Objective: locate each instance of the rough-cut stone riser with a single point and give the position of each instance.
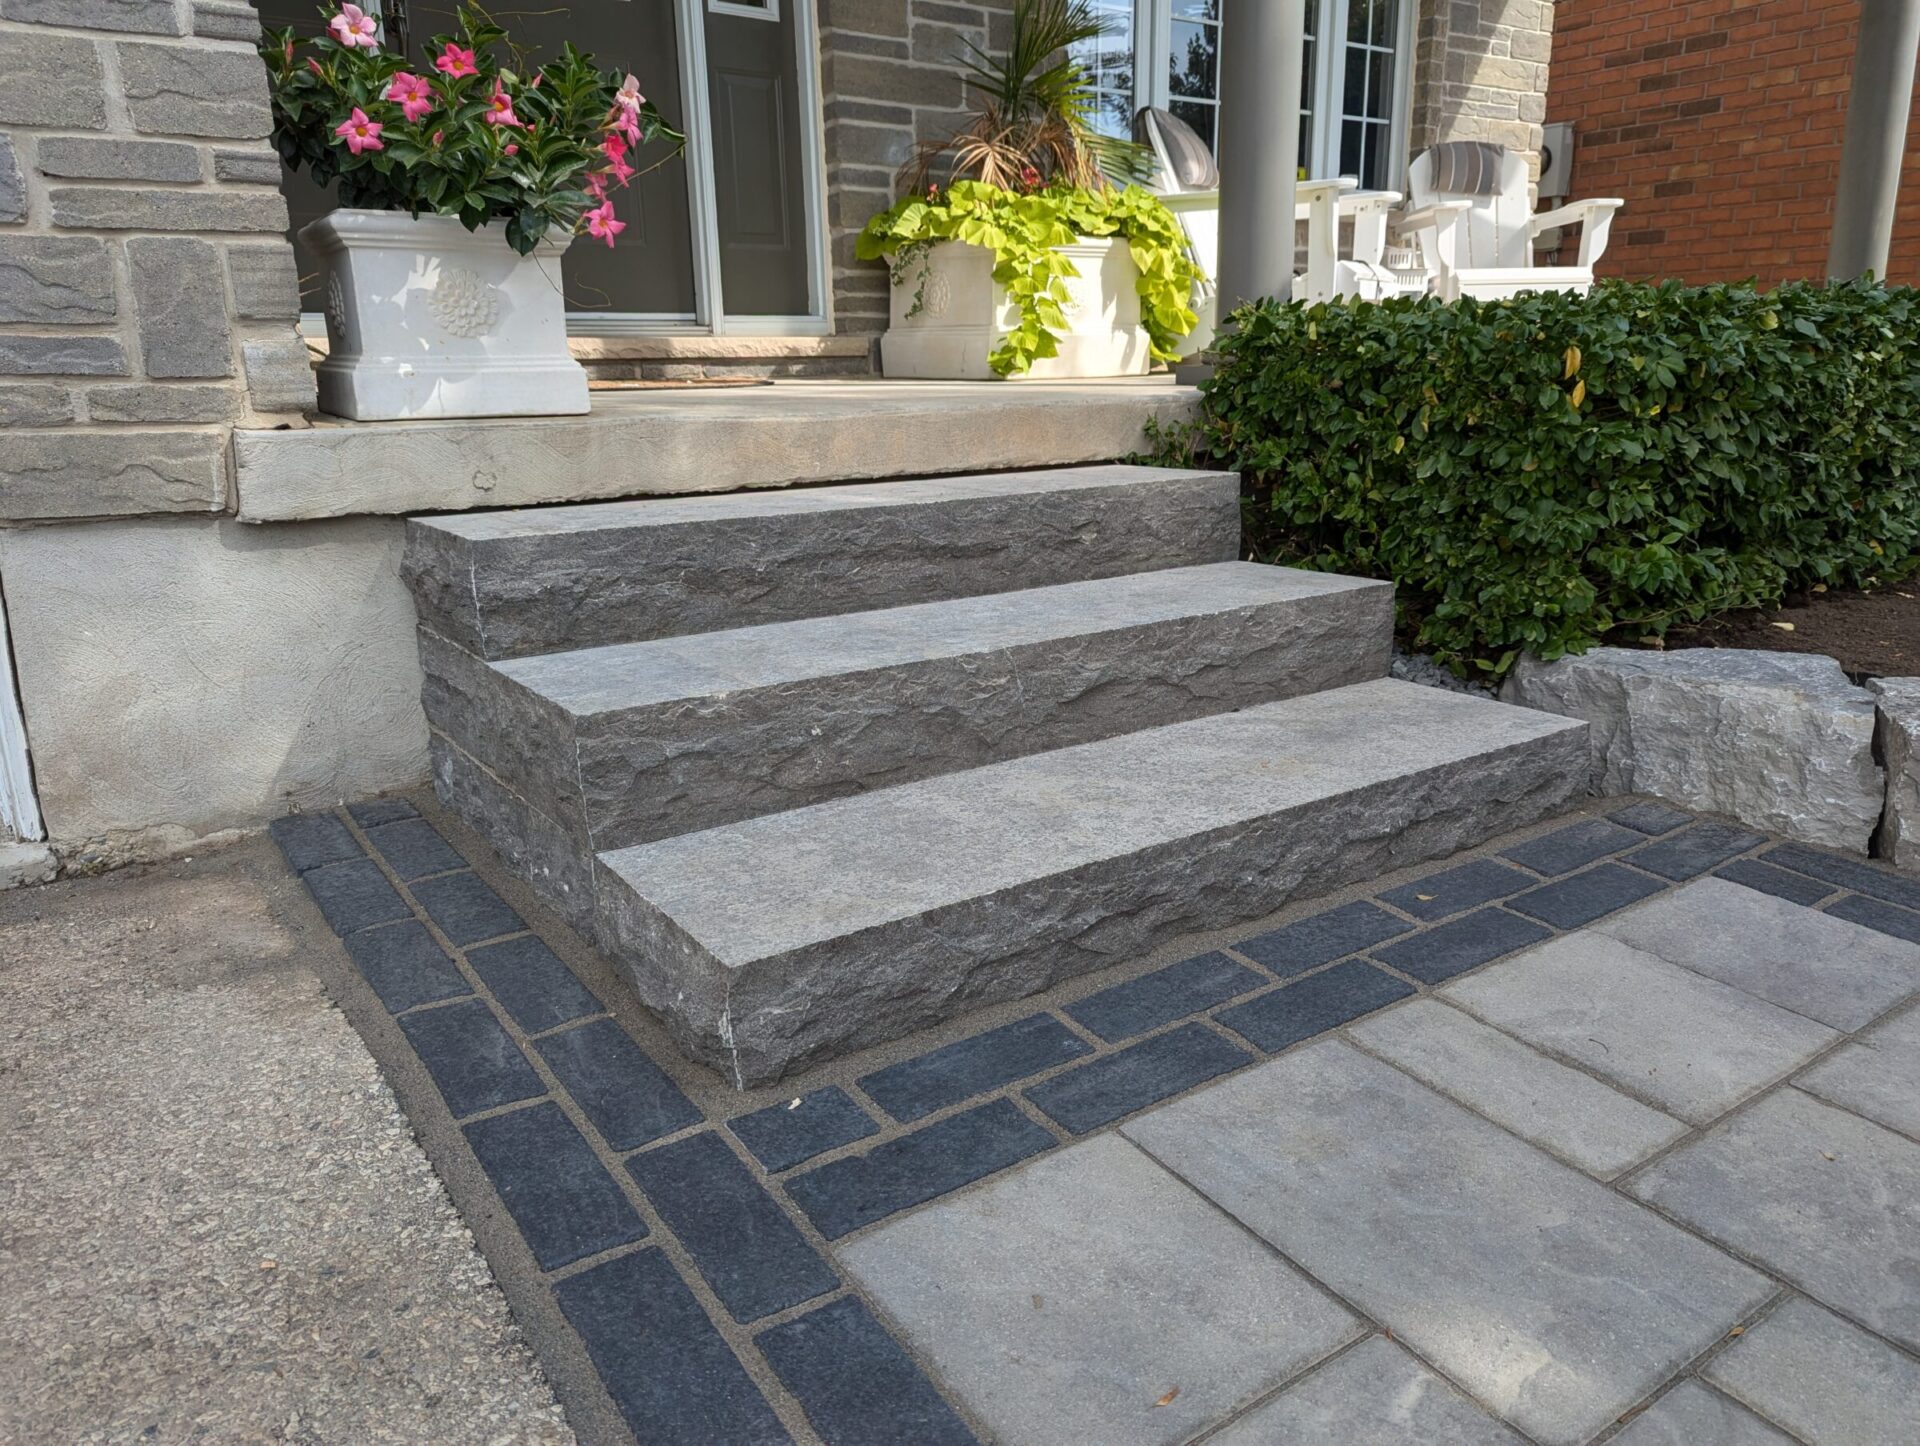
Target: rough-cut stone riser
(532, 845)
(512, 597)
(768, 1018)
(672, 768)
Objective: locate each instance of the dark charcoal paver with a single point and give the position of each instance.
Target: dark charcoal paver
(793, 1132)
(915, 1088)
(1795, 888)
(742, 1241)
(1651, 818)
(1569, 848)
(466, 910)
(354, 895)
(666, 1367)
(1878, 914)
(537, 989)
(1321, 938)
(1689, 855)
(1862, 878)
(856, 1385)
(844, 1195)
(1164, 996)
(1117, 1084)
(1451, 890)
(629, 1098)
(414, 849)
(404, 966)
(311, 839)
(376, 811)
(566, 1204)
(1569, 903)
(471, 1058)
(1314, 1005)
(1453, 948)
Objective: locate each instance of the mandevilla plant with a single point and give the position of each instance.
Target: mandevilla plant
(471, 137)
(1021, 229)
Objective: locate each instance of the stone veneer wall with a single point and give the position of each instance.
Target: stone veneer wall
(1480, 73)
(889, 74)
(146, 295)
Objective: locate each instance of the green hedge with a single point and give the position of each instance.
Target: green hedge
(1545, 472)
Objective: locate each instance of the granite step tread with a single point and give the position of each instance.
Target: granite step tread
(794, 935)
(513, 583)
(631, 742)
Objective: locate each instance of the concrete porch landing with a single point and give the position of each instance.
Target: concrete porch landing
(668, 442)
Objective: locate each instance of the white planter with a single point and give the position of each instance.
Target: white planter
(960, 314)
(428, 319)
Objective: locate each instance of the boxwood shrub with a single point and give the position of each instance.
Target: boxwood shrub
(1547, 472)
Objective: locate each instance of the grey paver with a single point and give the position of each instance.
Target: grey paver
(1695, 1415)
(1373, 1395)
(1553, 1300)
(1814, 964)
(1557, 1107)
(1822, 1198)
(1828, 1382)
(1691, 1045)
(1878, 1075)
(1061, 1302)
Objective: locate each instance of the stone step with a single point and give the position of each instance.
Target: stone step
(534, 580)
(634, 742)
(778, 940)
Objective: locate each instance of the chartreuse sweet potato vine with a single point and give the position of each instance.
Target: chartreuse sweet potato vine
(1553, 471)
(1022, 229)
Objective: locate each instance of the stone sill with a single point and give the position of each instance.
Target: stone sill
(657, 443)
(674, 348)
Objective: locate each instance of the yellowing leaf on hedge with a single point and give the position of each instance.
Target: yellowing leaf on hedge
(1530, 464)
(1877, 549)
(1573, 363)
(1399, 444)
(1578, 394)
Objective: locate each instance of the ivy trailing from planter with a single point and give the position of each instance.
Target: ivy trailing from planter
(1023, 230)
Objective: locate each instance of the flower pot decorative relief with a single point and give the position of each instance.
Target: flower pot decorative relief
(428, 319)
(948, 314)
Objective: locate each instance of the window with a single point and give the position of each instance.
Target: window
(1352, 92)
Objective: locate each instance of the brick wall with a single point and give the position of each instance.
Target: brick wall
(1720, 123)
(889, 72)
(1480, 72)
(146, 294)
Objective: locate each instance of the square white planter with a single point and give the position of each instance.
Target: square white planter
(959, 314)
(428, 319)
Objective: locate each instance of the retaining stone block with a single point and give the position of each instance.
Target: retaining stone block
(157, 402)
(259, 167)
(190, 90)
(266, 287)
(13, 190)
(55, 280)
(181, 298)
(87, 474)
(34, 406)
(225, 22)
(1896, 733)
(279, 375)
(88, 158)
(51, 80)
(136, 17)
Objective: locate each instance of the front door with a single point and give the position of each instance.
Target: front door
(725, 238)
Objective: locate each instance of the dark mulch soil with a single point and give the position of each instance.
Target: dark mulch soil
(1873, 634)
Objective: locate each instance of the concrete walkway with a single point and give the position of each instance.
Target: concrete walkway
(215, 1224)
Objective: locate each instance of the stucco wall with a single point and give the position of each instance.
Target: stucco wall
(183, 676)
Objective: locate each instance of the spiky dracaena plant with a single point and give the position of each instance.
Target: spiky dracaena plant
(1034, 106)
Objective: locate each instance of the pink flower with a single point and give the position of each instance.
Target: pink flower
(354, 27)
(628, 97)
(361, 134)
(412, 92)
(439, 136)
(314, 66)
(1029, 177)
(614, 146)
(500, 109)
(601, 222)
(455, 62)
(627, 123)
(622, 172)
(597, 186)
(512, 151)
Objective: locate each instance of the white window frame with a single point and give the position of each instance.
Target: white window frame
(1153, 45)
(769, 11)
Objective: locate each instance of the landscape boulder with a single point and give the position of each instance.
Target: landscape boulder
(1780, 741)
(1898, 742)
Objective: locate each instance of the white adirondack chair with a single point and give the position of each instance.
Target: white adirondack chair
(1475, 223)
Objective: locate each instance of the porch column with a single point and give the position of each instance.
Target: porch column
(1262, 44)
(1876, 139)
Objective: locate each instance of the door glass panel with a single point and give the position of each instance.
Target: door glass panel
(754, 92)
(1107, 61)
(1193, 62)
